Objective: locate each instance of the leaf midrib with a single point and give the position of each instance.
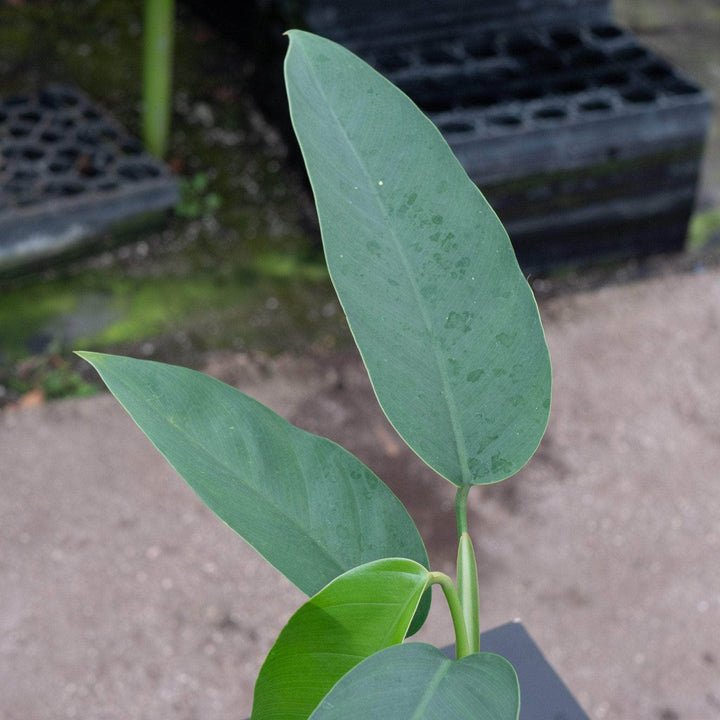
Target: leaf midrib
(430, 690)
(441, 369)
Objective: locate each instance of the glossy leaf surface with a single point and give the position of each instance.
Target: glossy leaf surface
(309, 507)
(363, 611)
(444, 319)
(417, 682)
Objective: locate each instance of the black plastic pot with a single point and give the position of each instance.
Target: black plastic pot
(543, 695)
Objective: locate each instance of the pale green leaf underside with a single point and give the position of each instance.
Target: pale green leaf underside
(361, 612)
(444, 319)
(309, 507)
(417, 682)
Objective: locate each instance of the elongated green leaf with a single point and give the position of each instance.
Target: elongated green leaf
(365, 610)
(444, 319)
(417, 682)
(309, 507)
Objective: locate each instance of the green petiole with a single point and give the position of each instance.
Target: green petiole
(461, 497)
(462, 644)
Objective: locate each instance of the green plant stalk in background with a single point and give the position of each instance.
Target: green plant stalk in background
(450, 334)
(157, 74)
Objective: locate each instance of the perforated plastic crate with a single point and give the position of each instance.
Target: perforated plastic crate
(69, 172)
(586, 143)
(348, 20)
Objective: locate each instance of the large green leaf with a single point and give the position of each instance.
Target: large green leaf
(361, 612)
(444, 319)
(417, 682)
(309, 507)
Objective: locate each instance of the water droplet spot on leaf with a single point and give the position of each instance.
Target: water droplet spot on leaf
(506, 339)
(499, 464)
(459, 321)
(373, 247)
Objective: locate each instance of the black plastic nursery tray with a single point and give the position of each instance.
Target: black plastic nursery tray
(585, 142)
(69, 172)
(348, 20)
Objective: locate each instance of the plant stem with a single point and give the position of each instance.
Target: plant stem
(157, 73)
(462, 645)
(467, 582)
(461, 497)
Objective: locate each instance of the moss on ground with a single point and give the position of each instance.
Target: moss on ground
(704, 229)
(239, 267)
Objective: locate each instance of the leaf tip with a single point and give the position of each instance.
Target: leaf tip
(87, 355)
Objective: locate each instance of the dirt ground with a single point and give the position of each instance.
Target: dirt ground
(121, 596)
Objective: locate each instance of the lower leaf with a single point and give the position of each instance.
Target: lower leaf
(308, 506)
(417, 682)
(364, 610)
